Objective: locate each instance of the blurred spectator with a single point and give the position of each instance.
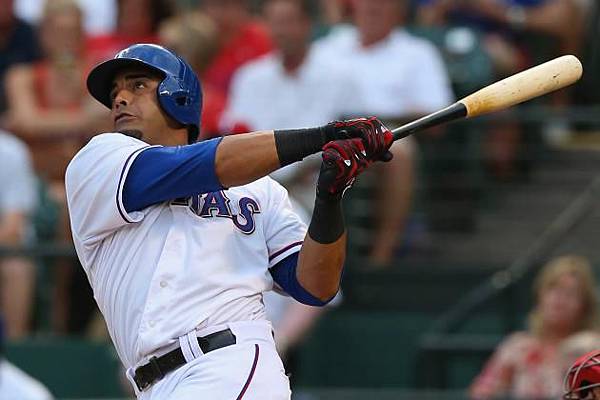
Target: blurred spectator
(527, 365)
(18, 44)
(517, 34)
(51, 110)
(508, 22)
(241, 38)
(137, 22)
(399, 76)
(47, 100)
(291, 88)
(194, 37)
(577, 345)
(15, 384)
(17, 200)
(99, 17)
(334, 12)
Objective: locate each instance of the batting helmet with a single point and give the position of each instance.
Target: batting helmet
(179, 92)
(583, 375)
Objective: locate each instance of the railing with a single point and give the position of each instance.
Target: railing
(442, 340)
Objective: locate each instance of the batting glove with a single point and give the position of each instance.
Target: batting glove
(376, 136)
(343, 161)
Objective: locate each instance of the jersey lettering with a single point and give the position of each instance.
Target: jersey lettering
(248, 207)
(215, 201)
(217, 204)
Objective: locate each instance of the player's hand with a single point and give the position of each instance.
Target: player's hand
(376, 136)
(343, 161)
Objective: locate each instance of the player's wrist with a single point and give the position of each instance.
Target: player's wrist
(295, 144)
(327, 222)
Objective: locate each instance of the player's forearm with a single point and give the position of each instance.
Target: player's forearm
(320, 267)
(241, 159)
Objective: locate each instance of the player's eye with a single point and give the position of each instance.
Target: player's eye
(139, 84)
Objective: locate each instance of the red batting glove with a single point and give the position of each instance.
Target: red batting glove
(343, 161)
(376, 136)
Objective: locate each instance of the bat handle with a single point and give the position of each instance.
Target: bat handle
(450, 113)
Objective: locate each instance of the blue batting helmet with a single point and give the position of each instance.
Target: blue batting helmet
(179, 93)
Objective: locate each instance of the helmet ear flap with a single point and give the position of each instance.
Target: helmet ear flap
(173, 97)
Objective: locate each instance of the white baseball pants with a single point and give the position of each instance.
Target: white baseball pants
(248, 370)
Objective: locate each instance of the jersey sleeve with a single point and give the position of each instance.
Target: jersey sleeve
(284, 231)
(94, 184)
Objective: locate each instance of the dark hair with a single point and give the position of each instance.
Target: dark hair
(306, 6)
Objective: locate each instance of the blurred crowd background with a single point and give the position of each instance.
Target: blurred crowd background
(472, 256)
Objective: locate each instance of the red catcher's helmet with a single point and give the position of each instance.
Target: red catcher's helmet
(583, 375)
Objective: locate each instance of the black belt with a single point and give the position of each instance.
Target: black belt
(158, 367)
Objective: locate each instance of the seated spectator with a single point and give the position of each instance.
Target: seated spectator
(137, 22)
(18, 45)
(241, 39)
(194, 37)
(398, 76)
(17, 201)
(508, 22)
(99, 16)
(290, 88)
(50, 109)
(527, 365)
(576, 346)
(15, 384)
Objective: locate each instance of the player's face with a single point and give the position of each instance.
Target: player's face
(135, 109)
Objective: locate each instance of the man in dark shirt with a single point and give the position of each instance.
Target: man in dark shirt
(18, 44)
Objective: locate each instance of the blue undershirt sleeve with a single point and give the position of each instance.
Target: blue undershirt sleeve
(161, 174)
(284, 274)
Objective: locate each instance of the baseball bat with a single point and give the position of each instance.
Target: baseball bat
(525, 85)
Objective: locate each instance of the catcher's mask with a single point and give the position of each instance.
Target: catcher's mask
(583, 376)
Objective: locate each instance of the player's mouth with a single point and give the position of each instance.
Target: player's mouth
(123, 117)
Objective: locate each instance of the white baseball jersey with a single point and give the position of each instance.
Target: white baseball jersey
(175, 266)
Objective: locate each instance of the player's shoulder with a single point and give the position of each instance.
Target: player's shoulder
(114, 138)
(101, 148)
(106, 143)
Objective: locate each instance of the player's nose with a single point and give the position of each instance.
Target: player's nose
(122, 99)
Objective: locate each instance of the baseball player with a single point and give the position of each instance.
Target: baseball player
(180, 239)
(582, 381)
